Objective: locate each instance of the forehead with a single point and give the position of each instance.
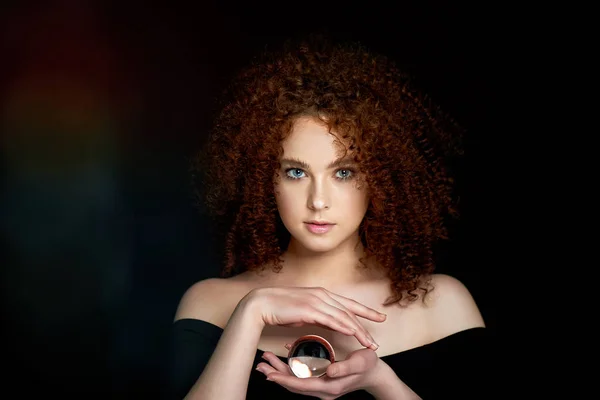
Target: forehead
(310, 139)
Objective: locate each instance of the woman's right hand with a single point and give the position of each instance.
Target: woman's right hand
(295, 307)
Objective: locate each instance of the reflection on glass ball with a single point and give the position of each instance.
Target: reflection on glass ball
(310, 356)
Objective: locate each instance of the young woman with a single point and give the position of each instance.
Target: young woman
(327, 172)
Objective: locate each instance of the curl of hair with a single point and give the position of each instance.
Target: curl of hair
(400, 140)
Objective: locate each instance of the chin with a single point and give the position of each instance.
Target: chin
(317, 249)
(317, 244)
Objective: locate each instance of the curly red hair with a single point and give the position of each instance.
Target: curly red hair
(398, 138)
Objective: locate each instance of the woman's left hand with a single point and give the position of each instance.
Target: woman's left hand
(356, 372)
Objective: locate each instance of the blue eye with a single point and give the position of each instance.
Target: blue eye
(297, 173)
(346, 174)
(294, 173)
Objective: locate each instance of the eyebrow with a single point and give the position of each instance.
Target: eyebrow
(345, 161)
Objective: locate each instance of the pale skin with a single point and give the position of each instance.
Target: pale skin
(319, 291)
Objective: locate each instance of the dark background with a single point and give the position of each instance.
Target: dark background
(103, 104)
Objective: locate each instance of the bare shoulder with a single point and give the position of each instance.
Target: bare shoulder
(451, 307)
(212, 300)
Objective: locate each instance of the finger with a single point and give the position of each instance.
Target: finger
(359, 332)
(358, 308)
(265, 368)
(287, 346)
(354, 318)
(305, 386)
(327, 320)
(330, 298)
(276, 362)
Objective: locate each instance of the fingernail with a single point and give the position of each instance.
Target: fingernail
(374, 346)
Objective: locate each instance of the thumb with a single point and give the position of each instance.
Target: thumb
(353, 365)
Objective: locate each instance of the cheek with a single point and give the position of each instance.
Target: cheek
(361, 204)
(357, 208)
(287, 202)
(357, 204)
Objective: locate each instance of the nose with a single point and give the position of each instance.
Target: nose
(318, 198)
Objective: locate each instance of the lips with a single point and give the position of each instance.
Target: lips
(319, 227)
(315, 222)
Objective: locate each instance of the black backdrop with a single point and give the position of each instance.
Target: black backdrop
(102, 106)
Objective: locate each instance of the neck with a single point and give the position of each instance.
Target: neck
(339, 267)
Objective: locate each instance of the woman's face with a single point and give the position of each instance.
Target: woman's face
(315, 186)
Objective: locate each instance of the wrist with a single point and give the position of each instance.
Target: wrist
(250, 308)
(385, 384)
(377, 378)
